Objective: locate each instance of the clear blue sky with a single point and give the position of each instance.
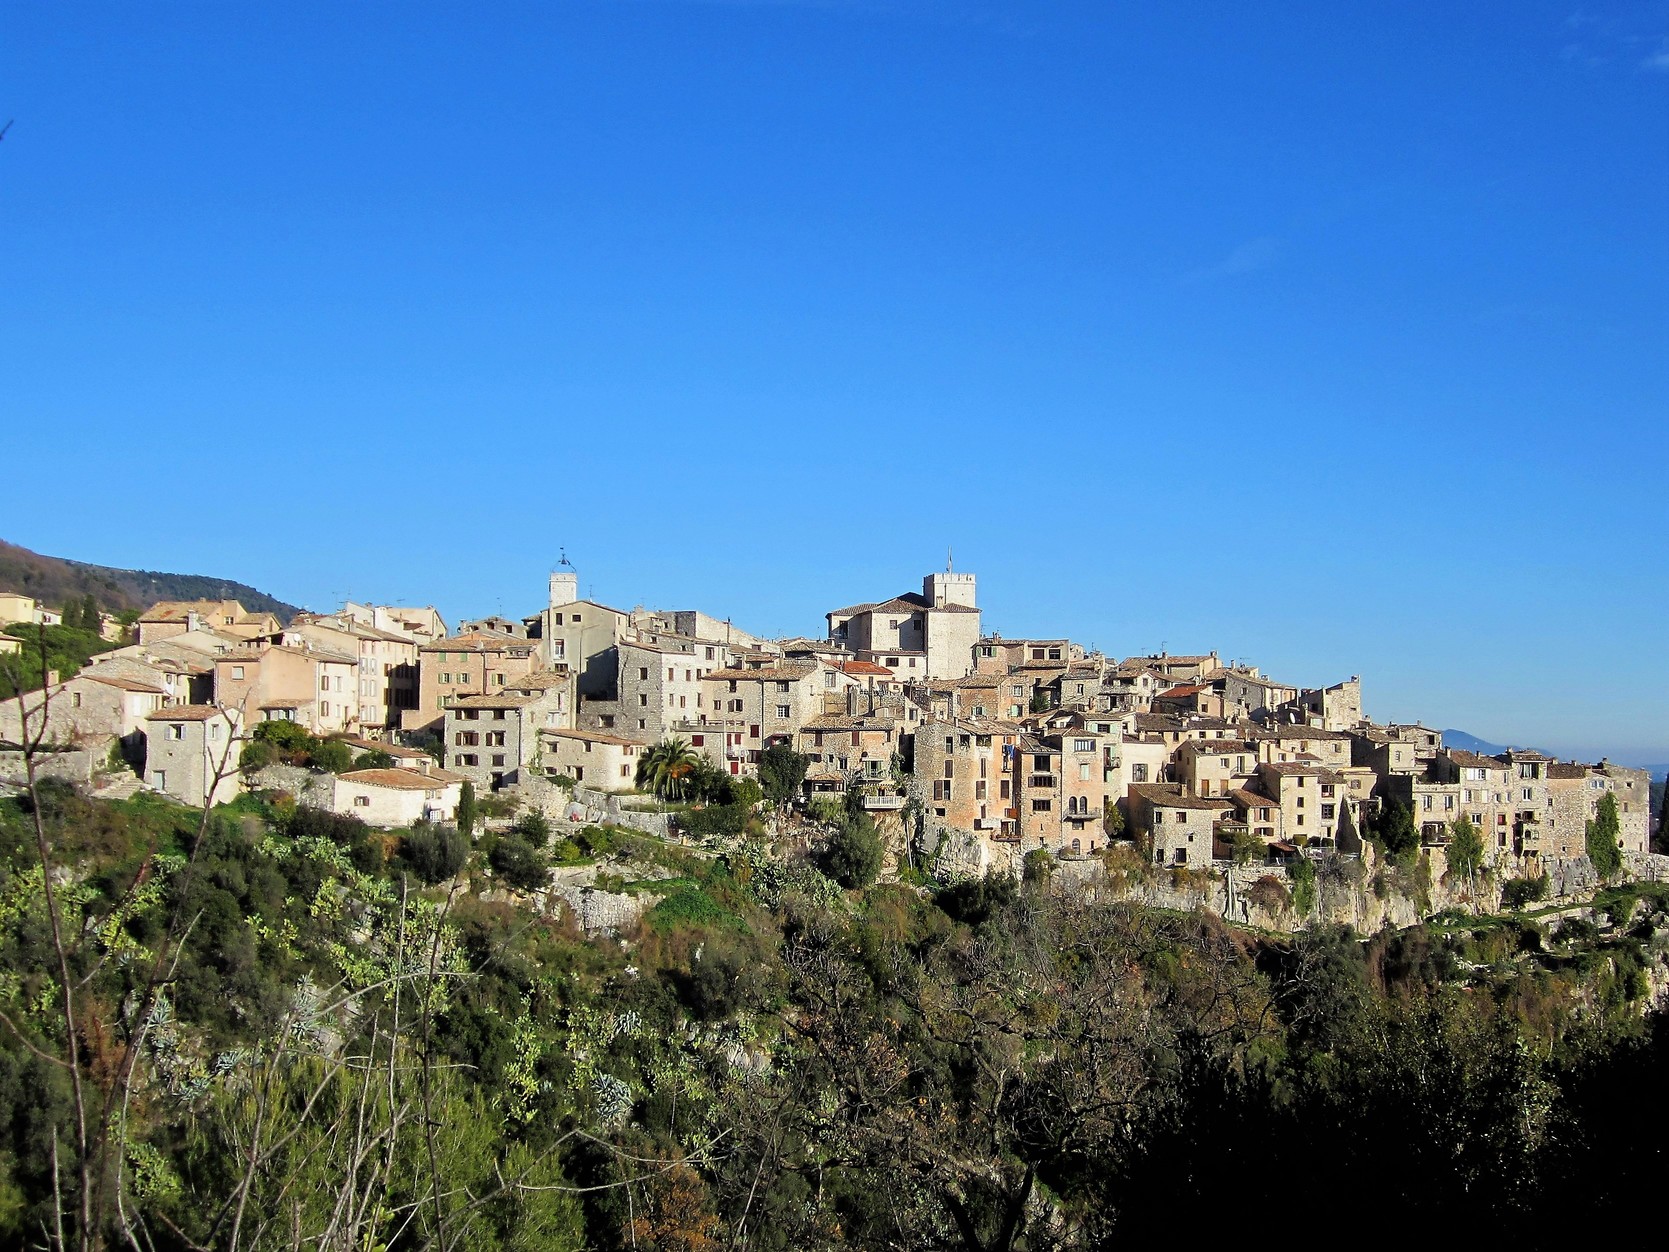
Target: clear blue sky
(1333, 337)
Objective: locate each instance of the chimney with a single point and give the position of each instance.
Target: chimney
(51, 678)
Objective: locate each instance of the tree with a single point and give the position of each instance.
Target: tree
(1397, 830)
(91, 618)
(1466, 848)
(1604, 838)
(534, 827)
(781, 771)
(668, 768)
(1112, 819)
(376, 758)
(852, 855)
(436, 853)
(332, 755)
(70, 616)
(519, 863)
(466, 810)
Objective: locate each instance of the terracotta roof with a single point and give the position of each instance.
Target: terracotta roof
(824, 775)
(398, 779)
(1471, 760)
(186, 713)
(1293, 769)
(1252, 800)
(487, 641)
(505, 701)
(782, 671)
(1179, 692)
(126, 684)
(861, 667)
(1215, 747)
(1160, 796)
(1558, 770)
(591, 736)
(539, 680)
(377, 745)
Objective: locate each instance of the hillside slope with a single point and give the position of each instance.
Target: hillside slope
(52, 579)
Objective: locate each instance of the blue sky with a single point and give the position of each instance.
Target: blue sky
(1332, 337)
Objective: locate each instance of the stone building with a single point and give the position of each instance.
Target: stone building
(964, 768)
(493, 740)
(387, 684)
(917, 637)
(1179, 829)
(89, 710)
(397, 797)
(592, 758)
(191, 754)
(168, 618)
(479, 663)
(315, 688)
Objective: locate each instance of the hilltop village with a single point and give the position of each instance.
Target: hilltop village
(954, 739)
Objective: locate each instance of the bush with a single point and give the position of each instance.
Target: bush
(852, 855)
(720, 820)
(436, 853)
(376, 758)
(288, 736)
(1303, 885)
(331, 755)
(519, 863)
(1517, 892)
(534, 827)
(257, 754)
(1039, 866)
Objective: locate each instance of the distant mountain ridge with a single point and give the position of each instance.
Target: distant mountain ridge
(1471, 743)
(52, 580)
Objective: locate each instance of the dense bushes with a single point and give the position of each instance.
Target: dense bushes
(436, 853)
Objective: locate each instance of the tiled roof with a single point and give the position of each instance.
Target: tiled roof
(591, 736)
(505, 701)
(487, 641)
(1558, 770)
(1252, 800)
(1471, 760)
(399, 779)
(185, 713)
(1161, 796)
(377, 745)
(1182, 692)
(782, 671)
(125, 684)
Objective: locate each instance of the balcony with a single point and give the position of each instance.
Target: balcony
(884, 803)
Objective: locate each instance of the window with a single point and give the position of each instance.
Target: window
(1002, 789)
(237, 671)
(892, 662)
(643, 702)
(214, 730)
(498, 758)
(1083, 745)
(782, 687)
(697, 741)
(1042, 806)
(324, 708)
(1083, 772)
(445, 677)
(176, 731)
(362, 802)
(1526, 793)
(1138, 772)
(783, 711)
(1327, 812)
(324, 684)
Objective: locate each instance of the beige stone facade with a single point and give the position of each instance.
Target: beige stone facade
(592, 758)
(397, 797)
(191, 754)
(280, 682)
(472, 664)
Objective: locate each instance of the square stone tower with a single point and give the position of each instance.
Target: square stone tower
(940, 590)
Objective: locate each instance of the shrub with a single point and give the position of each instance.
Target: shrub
(1303, 885)
(519, 863)
(719, 820)
(331, 755)
(288, 736)
(376, 758)
(436, 853)
(852, 855)
(534, 827)
(1517, 892)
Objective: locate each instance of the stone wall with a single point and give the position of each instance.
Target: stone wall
(76, 766)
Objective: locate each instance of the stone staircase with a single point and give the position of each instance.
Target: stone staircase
(119, 787)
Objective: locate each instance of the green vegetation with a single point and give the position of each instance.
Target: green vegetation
(290, 743)
(667, 768)
(1604, 836)
(62, 650)
(278, 1032)
(782, 771)
(1518, 892)
(1466, 849)
(1303, 885)
(468, 810)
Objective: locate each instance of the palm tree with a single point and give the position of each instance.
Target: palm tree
(666, 769)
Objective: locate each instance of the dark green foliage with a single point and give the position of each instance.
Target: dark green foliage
(331, 755)
(1466, 848)
(1517, 892)
(781, 773)
(519, 863)
(376, 758)
(1603, 834)
(852, 855)
(288, 736)
(1395, 829)
(467, 811)
(534, 827)
(67, 650)
(715, 821)
(1303, 885)
(976, 900)
(436, 853)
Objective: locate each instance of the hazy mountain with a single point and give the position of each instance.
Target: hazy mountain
(52, 580)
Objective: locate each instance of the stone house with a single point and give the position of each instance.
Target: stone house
(493, 739)
(191, 754)
(420, 625)
(282, 682)
(88, 710)
(1190, 700)
(591, 757)
(17, 607)
(1332, 748)
(167, 618)
(387, 684)
(1310, 796)
(917, 637)
(1215, 767)
(581, 635)
(965, 771)
(397, 797)
(762, 703)
(659, 685)
(479, 663)
(1179, 829)
(1338, 707)
(183, 681)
